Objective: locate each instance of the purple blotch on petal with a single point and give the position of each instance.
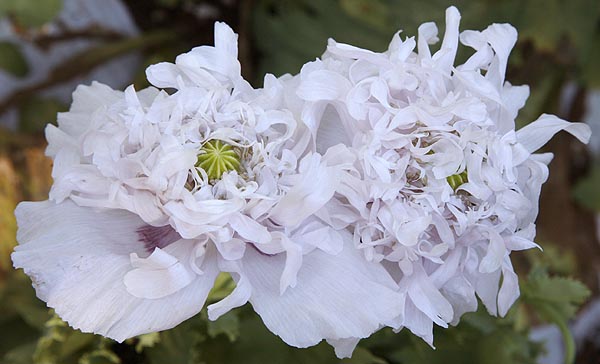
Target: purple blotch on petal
(157, 236)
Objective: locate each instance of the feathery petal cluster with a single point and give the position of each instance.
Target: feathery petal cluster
(370, 190)
(443, 187)
(157, 192)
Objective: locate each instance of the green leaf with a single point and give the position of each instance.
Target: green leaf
(12, 59)
(561, 290)
(31, 13)
(563, 294)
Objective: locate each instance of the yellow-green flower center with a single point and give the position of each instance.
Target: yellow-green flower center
(217, 158)
(456, 180)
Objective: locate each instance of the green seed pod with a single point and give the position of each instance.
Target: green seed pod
(456, 180)
(216, 158)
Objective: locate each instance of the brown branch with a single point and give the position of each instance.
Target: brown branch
(93, 32)
(87, 60)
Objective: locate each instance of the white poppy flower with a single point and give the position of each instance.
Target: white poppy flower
(155, 193)
(443, 188)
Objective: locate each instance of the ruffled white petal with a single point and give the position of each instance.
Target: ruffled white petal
(164, 75)
(86, 101)
(240, 295)
(249, 229)
(161, 274)
(316, 185)
(323, 85)
(509, 291)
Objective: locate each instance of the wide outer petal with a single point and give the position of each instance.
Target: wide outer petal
(336, 297)
(77, 258)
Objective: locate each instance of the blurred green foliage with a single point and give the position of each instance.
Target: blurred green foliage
(290, 32)
(12, 60)
(30, 13)
(36, 112)
(587, 191)
(240, 337)
(555, 300)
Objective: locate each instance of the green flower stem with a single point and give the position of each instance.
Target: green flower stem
(569, 342)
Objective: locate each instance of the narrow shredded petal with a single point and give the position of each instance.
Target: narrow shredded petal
(534, 135)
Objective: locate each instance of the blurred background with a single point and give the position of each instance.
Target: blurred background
(47, 47)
